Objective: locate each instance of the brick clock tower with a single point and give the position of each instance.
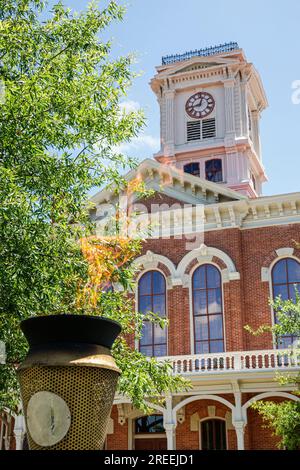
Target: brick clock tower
(211, 102)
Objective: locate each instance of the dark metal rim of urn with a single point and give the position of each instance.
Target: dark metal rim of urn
(46, 329)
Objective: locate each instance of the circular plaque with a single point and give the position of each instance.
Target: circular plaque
(48, 418)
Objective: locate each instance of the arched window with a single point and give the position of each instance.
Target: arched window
(152, 298)
(207, 310)
(285, 282)
(213, 434)
(192, 168)
(213, 170)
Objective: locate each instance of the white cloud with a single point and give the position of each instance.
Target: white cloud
(130, 106)
(141, 143)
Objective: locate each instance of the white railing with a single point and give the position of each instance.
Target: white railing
(236, 361)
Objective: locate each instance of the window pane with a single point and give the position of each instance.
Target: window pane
(213, 165)
(200, 302)
(199, 278)
(213, 276)
(145, 284)
(202, 348)
(146, 350)
(158, 283)
(279, 272)
(145, 304)
(159, 305)
(201, 328)
(147, 424)
(285, 341)
(147, 333)
(192, 169)
(293, 288)
(160, 350)
(213, 170)
(214, 301)
(160, 334)
(206, 435)
(216, 346)
(281, 290)
(293, 270)
(215, 327)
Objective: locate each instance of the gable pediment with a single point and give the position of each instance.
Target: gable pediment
(176, 185)
(198, 63)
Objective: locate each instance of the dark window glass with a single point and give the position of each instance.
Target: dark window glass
(192, 169)
(213, 170)
(213, 434)
(152, 298)
(285, 282)
(293, 270)
(145, 283)
(149, 424)
(208, 310)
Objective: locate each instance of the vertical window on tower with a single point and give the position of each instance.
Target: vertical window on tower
(249, 120)
(192, 169)
(152, 298)
(213, 170)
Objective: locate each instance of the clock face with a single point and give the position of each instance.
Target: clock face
(48, 418)
(200, 105)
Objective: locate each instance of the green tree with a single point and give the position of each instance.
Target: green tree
(284, 417)
(60, 123)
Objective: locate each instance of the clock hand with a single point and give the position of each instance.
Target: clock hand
(52, 425)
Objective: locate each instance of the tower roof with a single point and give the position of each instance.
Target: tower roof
(204, 52)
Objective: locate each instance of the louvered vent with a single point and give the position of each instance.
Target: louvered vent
(193, 130)
(208, 128)
(202, 129)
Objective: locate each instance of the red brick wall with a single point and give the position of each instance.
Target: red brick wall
(119, 439)
(179, 321)
(259, 247)
(245, 300)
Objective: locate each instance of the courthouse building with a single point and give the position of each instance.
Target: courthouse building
(244, 253)
(220, 251)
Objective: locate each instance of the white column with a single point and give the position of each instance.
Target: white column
(240, 430)
(229, 108)
(19, 431)
(170, 122)
(170, 432)
(239, 419)
(244, 108)
(255, 132)
(170, 424)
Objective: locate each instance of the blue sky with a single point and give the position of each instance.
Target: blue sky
(268, 33)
